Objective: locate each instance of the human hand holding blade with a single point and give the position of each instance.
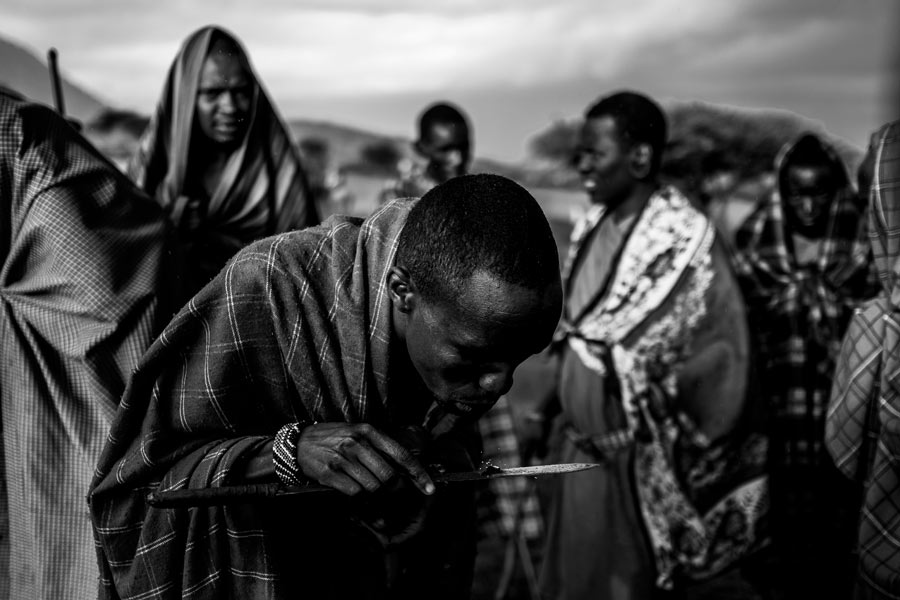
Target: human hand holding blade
(238, 494)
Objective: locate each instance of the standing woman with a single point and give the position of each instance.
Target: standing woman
(219, 159)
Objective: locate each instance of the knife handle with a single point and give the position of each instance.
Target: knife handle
(230, 494)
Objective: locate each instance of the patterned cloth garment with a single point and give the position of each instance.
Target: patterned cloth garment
(702, 503)
(799, 312)
(81, 250)
(863, 423)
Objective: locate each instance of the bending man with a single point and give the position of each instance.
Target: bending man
(308, 356)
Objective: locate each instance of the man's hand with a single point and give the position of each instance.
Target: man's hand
(356, 457)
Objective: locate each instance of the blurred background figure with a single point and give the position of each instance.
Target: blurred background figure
(218, 158)
(80, 253)
(443, 149)
(653, 383)
(327, 182)
(804, 263)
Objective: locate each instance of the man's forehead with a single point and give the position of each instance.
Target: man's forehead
(444, 134)
(486, 298)
(599, 128)
(809, 173)
(223, 68)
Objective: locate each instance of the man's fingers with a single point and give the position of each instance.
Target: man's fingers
(342, 483)
(402, 457)
(373, 461)
(362, 475)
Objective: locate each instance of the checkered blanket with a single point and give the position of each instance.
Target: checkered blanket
(799, 313)
(80, 250)
(506, 506)
(863, 426)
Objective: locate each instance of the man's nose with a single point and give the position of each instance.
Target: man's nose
(227, 102)
(582, 163)
(498, 380)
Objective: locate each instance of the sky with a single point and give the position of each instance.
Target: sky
(514, 66)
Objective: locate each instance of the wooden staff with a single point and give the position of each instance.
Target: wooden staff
(55, 82)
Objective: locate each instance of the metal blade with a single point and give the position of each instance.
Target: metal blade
(497, 473)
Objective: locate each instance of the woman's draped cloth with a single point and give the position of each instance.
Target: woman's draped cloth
(700, 500)
(799, 312)
(297, 327)
(262, 191)
(863, 424)
(80, 252)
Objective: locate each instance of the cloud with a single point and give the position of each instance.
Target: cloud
(805, 55)
(352, 47)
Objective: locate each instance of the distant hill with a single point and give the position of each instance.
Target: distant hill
(22, 71)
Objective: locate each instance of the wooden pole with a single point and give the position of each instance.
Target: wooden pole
(55, 82)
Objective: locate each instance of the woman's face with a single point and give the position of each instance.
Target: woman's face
(224, 96)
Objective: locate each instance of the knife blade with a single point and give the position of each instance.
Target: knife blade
(233, 494)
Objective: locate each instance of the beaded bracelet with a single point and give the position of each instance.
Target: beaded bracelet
(284, 454)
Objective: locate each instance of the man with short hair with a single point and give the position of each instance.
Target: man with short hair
(652, 381)
(804, 264)
(310, 357)
(444, 145)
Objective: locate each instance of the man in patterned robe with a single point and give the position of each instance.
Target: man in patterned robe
(653, 381)
(306, 359)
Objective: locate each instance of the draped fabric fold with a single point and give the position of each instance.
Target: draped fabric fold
(81, 251)
(863, 424)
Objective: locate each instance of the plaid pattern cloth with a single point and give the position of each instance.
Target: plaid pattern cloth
(863, 427)
(81, 250)
(506, 506)
(800, 312)
(263, 188)
(297, 327)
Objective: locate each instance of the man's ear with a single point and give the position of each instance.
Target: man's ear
(641, 161)
(401, 289)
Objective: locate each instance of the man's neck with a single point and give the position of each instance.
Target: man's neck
(627, 210)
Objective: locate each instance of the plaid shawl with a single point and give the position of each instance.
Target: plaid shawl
(799, 313)
(80, 249)
(263, 190)
(297, 327)
(863, 426)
